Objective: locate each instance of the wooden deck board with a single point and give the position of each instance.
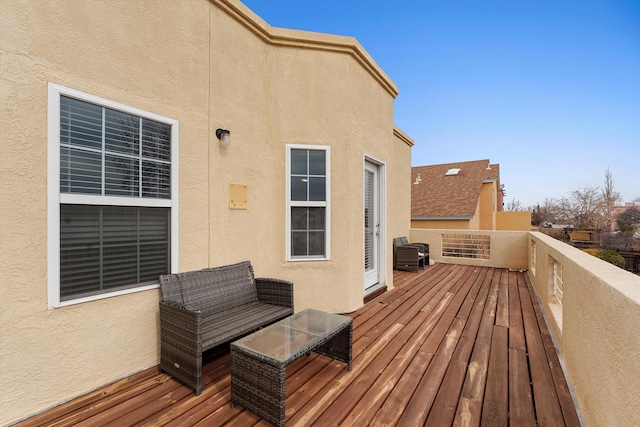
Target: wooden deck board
(546, 401)
(449, 345)
(516, 328)
(474, 384)
(444, 407)
(502, 310)
(495, 408)
(420, 404)
(562, 388)
(448, 397)
(442, 342)
(352, 395)
(520, 398)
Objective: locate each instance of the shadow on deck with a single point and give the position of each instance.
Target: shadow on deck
(450, 345)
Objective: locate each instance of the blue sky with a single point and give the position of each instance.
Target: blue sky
(549, 89)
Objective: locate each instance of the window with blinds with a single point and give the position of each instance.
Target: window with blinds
(115, 197)
(106, 152)
(106, 248)
(369, 225)
(308, 202)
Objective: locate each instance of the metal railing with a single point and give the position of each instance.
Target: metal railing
(558, 283)
(466, 245)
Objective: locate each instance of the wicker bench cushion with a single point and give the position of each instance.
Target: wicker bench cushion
(239, 321)
(213, 290)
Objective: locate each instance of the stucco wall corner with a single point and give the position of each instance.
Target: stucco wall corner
(398, 133)
(307, 40)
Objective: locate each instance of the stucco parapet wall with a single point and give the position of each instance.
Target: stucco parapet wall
(628, 284)
(441, 218)
(402, 136)
(307, 40)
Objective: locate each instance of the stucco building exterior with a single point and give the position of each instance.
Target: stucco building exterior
(109, 113)
(462, 195)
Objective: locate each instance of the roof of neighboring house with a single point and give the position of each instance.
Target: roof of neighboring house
(455, 196)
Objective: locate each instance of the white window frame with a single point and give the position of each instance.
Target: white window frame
(55, 198)
(326, 204)
(534, 257)
(382, 207)
(558, 282)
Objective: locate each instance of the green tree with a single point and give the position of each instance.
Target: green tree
(628, 221)
(612, 257)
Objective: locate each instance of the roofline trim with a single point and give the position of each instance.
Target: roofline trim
(402, 136)
(307, 40)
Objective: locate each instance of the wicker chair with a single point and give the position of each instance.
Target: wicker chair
(409, 256)
(205, 308)
(424, 246)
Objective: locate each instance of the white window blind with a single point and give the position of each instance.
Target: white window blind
(368, 220)
(115, 198)
(103, 248)
(106, 152)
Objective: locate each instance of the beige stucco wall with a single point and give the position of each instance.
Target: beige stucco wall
(48, 356)
(398, 200)
(305, 93)
(207, 65)
(517, 220)
(596, 328)
(460, 224)
(508, 249)
(487, 206)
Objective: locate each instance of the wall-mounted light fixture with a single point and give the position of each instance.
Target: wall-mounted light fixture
(224, 136)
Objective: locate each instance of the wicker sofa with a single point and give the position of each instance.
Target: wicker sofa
(409, 256)
(205, 308)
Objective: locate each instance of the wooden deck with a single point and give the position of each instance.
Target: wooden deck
(450, 345)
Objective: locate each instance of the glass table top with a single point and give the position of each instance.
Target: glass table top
(283, 339)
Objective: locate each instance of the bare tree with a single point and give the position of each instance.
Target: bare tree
(610, 197)
(583, 208)
(514, 206)
(543, 214)
(590, 207)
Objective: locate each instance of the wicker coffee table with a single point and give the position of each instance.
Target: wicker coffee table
(259, 360)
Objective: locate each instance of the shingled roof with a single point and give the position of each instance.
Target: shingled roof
(434, 193)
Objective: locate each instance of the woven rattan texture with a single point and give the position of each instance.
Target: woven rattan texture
(258, 381)
(210, 307)
(409, 256)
